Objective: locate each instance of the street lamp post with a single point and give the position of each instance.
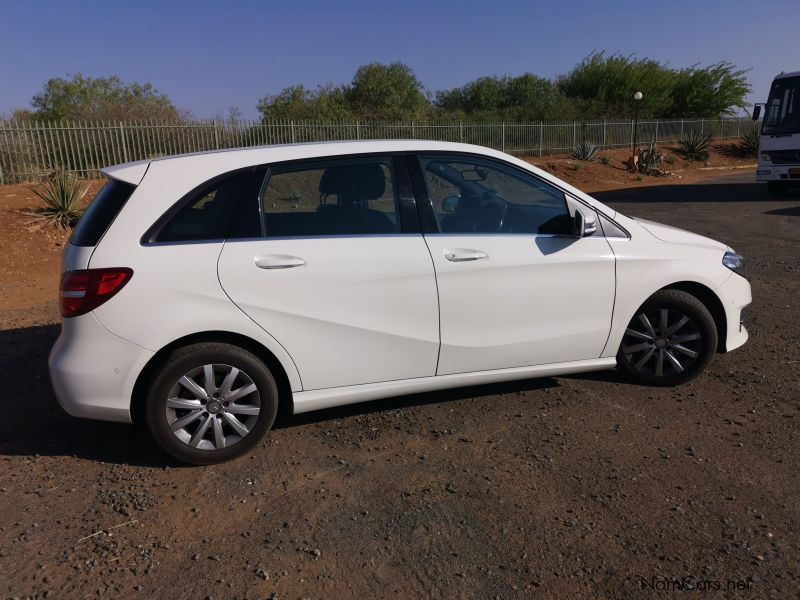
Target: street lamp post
(637, 97)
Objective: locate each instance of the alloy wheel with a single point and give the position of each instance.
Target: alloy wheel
(213, 406)
(662, 342)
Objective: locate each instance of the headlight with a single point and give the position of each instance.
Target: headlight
(734, 262)
(765, 157)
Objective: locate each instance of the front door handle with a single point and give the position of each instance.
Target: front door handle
(278, 261)
(464, 254)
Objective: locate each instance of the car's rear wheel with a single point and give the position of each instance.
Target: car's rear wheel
(669, 340)
(210, 402)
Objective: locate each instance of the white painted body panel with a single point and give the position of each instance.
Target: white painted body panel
(93, 371)
(646, 264)
(361, 309)
(321, 399)
(360, 320)
(174, 293)
(525, 303)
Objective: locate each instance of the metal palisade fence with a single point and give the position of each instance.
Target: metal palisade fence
(31, 149)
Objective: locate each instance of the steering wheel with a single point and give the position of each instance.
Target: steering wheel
(491, 217)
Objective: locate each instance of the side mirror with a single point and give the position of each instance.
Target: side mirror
(756, 112)
(585, 223)
(450, 204)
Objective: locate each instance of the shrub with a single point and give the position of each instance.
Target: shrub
(748, 143)
(62, 194)
(694, 145)
(650, 158)
(585, 151)
(606, 160)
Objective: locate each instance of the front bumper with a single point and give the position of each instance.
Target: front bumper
(93, 371)
(770, 172)
(735, 295)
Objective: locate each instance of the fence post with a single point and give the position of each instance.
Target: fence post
(634, 149)
(574, 132)
(541, 137)
(413, 133)
(216, 133)
(503, 135)
(461, 131)
(681, 126)
(291, 123)
(124, 142)
(605, 140)
(656, 138)
(358, 130)
(702, 122)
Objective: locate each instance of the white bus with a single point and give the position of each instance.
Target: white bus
(779, 148)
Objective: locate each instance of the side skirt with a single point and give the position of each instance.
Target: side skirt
(330, 397)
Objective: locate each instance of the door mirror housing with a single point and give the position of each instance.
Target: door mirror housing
(450, 204)
(756, 112)
(585, 223)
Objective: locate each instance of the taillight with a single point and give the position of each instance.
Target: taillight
(85, 290)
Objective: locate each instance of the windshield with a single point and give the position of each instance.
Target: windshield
(783, 107)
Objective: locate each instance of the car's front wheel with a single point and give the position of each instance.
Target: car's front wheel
(210, 402)
(669, 340)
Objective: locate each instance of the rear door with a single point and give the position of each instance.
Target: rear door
(516, 288)
(340, 274)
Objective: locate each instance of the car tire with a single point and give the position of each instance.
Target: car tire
(203, 421)
(776, 188)
(670, 340)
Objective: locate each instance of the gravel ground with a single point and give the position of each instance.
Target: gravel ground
(574, 487)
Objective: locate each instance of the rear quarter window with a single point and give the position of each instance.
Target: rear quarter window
(101, 213)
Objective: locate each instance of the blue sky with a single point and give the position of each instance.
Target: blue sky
(208, 56)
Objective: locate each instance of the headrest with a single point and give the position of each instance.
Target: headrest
(364, 181)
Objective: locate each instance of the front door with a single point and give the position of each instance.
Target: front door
(516, 288)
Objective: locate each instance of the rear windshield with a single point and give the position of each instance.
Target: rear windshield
(101, 213)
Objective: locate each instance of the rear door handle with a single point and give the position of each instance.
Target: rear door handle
(464, 254)
(278, 261)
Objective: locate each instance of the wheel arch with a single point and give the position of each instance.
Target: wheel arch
(285, 398)
(711, 301)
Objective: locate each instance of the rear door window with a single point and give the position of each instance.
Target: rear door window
(101, 213)
(337, 197)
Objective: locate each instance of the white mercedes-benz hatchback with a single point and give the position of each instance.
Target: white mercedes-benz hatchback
(201, 292)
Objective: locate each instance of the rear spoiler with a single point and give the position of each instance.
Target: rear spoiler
(131, 172)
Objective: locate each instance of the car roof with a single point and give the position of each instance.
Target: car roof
(133, 172)
(200, 166)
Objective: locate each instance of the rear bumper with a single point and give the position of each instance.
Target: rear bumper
(735, 295)
(93, 371)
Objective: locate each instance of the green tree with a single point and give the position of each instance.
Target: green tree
(603, 86)
(387, 93)
(102, 98)
(714, 90)
(526, 97)
(326, 103)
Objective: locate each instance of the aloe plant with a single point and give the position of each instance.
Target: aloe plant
(650, 158)
(748, 143)
(694, 145)
(62, 195)
(585, 151)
